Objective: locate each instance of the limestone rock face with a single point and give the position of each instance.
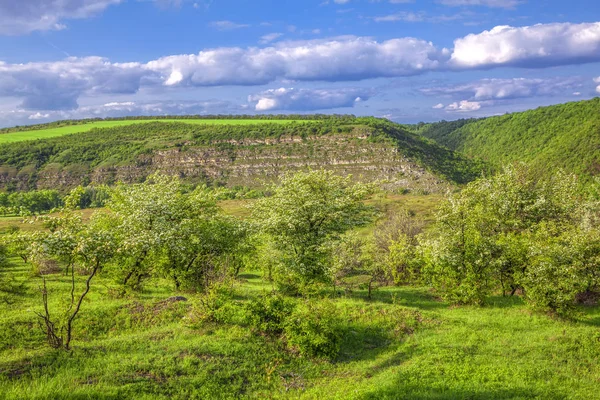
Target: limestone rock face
(251, 163)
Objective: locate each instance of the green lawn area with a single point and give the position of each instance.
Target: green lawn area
(138, 346)
(66, 130)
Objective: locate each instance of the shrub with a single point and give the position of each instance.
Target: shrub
(214, 305)
(313, 329)
(562, 268)
(268, 313)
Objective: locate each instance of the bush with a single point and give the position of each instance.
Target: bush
(313, 329)
(214, 305)
(562, 268)
(268, 313)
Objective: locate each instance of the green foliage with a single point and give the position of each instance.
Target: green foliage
(307, 211)
(565, 263)
(214, 304)
(167, 231)
(438, 159)
(313, 329)
(563, 136)
(29, 203)
(268, 313)
(515, 231)
(99, 155)
(396, 246)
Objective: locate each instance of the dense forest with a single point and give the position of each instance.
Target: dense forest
(565, 136)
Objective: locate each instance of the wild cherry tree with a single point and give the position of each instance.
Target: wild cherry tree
(305, 212)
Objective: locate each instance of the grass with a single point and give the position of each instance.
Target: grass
(67, 130)
(140, 347)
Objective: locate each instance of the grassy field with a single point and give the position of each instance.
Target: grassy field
(421, 205)
(140, 346)
(404, 343)
(67, 130)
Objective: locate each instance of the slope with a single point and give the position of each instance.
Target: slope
(562, 136)
(234, 155)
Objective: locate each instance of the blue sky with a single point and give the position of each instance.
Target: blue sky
(405, 60)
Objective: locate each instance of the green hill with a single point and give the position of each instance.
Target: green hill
(234, 154)
(565, 136)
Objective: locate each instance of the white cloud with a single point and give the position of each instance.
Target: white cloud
(58, 85)
(24, 16)
(341, 59)
(307, 99)
(438, 106)
(539, 45)
(270, 37)
(38, 115)
(486, 3)
(227, 25)
(401, 16)
(121, 109)
(405, 16)
(502, 89)
(464, 106)
(597, 80)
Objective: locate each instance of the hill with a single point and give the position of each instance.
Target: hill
(234, 154)
(11, 135)
(565, 136)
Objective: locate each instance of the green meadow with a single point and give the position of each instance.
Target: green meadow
(144, 346)
(67, 130)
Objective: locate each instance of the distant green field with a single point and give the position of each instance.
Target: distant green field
(66, 130)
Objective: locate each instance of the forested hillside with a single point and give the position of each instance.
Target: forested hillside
(565, 136)
(234, 155)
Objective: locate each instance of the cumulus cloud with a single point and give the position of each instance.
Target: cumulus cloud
(539, 45)
(464, 106)
(341, 59)
(23, 16)
(438, 106)
(58, 85)
(307, 99)
(597, 80)
(486, 3)
(503, 89)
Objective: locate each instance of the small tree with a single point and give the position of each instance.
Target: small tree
(87, 247)
(306, 211)
(396, 246)
(167, 230)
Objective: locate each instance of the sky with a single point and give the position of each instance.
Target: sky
(406, 60)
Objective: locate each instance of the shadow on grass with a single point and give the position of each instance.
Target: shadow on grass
(249, 276)
(504, 302)
(361, 343)
(403, 296)
(422, 392)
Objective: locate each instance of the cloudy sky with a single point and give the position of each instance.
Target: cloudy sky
(407, 60)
